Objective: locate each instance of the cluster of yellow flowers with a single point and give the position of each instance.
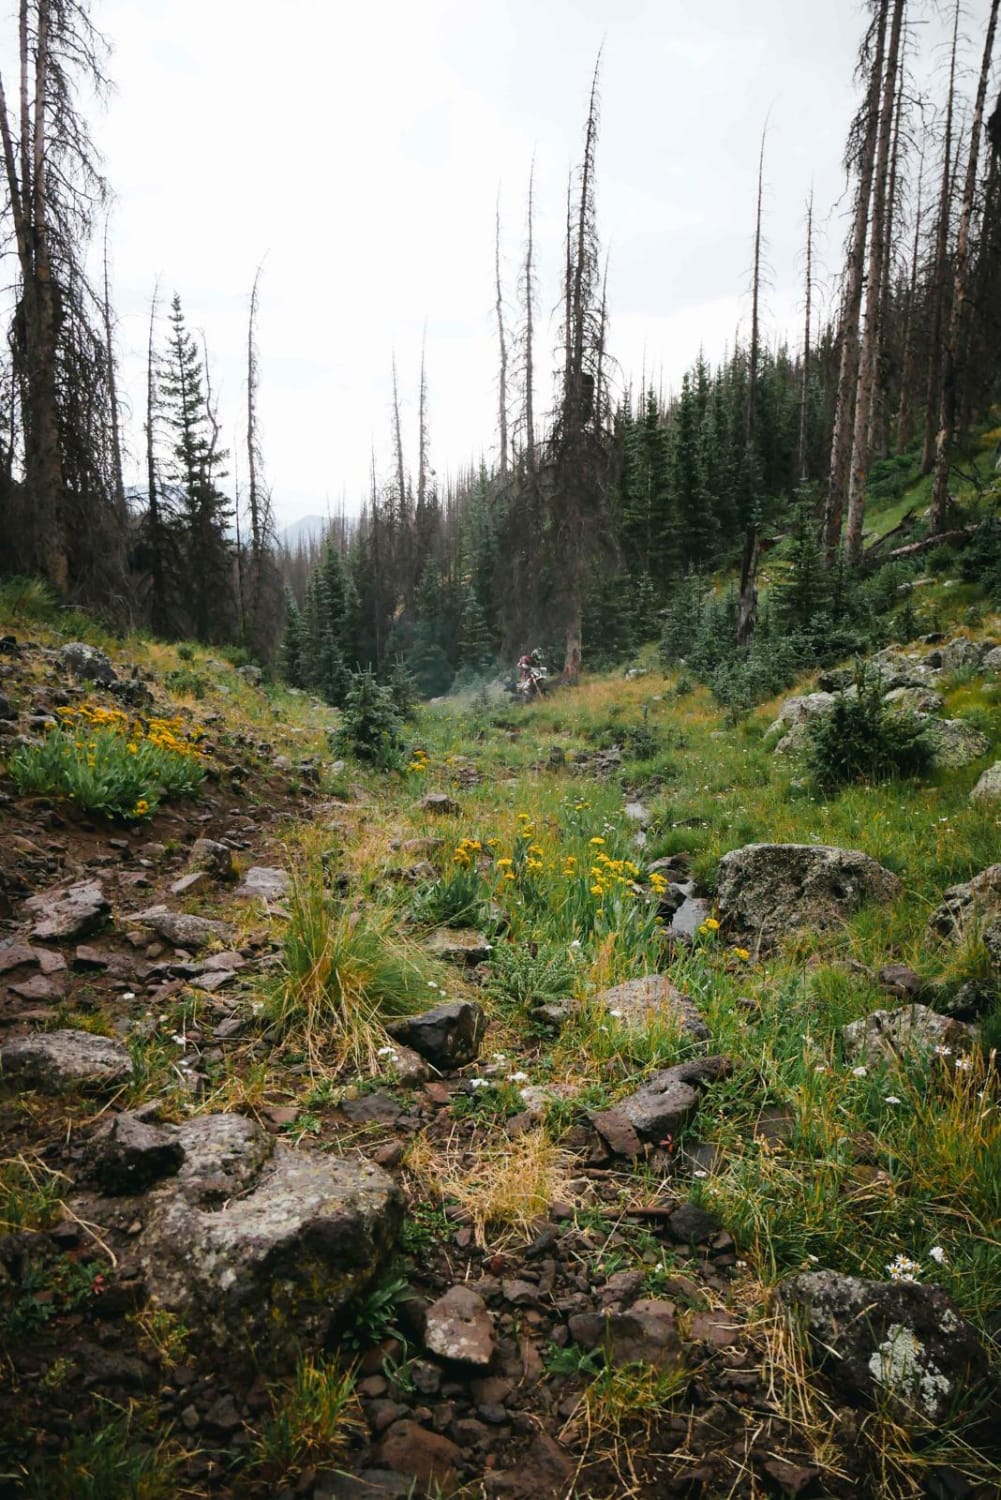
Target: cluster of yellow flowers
(609, 874)
(709, 925)
(466, 852)
(419, 762)
(163, 734)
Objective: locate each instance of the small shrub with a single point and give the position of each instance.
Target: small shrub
(863, 740)
(371, 728)
(532, 974)
(186, 683)
(403, 688)
(27, 599)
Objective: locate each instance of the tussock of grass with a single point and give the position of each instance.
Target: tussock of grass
(343, 976)
(313, 1420)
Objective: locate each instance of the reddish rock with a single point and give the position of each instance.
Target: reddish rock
(411, 1449)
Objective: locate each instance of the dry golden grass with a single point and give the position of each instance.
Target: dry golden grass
(505, 1188)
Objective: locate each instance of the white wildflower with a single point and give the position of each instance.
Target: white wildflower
(964, 1064)
(517, 1078)
(902, 1268)
(860, 1072)
(479, 1083)
(891, 1099)
(938, 1255)
(616, 1013)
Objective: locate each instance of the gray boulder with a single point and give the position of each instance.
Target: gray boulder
(459, 1327)
(954, 742)
(69, 911)
(915, 700)
(992, 661)
(891, 1034)
(448, 1036)
(637, 1002)
(87, 662)
(792, 727)
(988, 789)
(256, 1242)
(973, 906)
(439, 805)
(179, 928)
(957, 655)
(670, 1097)
(770, 889)
(51, 1061)
(895, 1341)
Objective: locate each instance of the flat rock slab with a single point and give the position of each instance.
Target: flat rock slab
(51, 1061)
(256, 1241)
(263, 882)
(439, 805)
(69, 911)
(638, 1002)
(669, 1098)
(459, 1327)
(448, 1036)
(459, 945)
(772, 889)
(891, 1340)
(645, 1333)
(891, 1034)
(179, 928)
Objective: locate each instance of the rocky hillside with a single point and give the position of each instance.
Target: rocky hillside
(600, 1105)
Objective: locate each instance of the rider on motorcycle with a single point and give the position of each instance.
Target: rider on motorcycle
(530, 670)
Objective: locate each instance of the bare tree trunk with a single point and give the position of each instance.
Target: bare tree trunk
(941, 273)
(804, 385)
(154, 519)
(947, 402)
(529, 293)
(747, 609)
(879, 423)
(116, 430)
(422, 438)
(502, 345)
(905, 408)
(36, 323)
(841, 440)
(869, 353)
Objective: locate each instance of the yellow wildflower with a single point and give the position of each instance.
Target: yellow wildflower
(712, 924)
(597, 840)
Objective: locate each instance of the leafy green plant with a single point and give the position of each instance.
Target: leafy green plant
(863, 740)
(371, 1318)
(109, 764)
(532, 973)
(114, 1461)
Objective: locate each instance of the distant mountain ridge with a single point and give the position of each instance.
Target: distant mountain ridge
(304, 531)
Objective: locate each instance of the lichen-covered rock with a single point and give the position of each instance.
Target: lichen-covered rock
(790, 731)
(87, 662)
(51, 1061)
(957, 655)
(669, 1098)
(69, 911)
(988, 789)
(973, 903)
(256, 1242)
(771, 889)
(954, 742)
(439, 805)
(459, 1327)
(448, 1036)
(637, 1002)
(895, 1341)
(915, 700)
(890, 1034)
(180, 928)
(992, 661)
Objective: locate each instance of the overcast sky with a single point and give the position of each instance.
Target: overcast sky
(357, 150)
